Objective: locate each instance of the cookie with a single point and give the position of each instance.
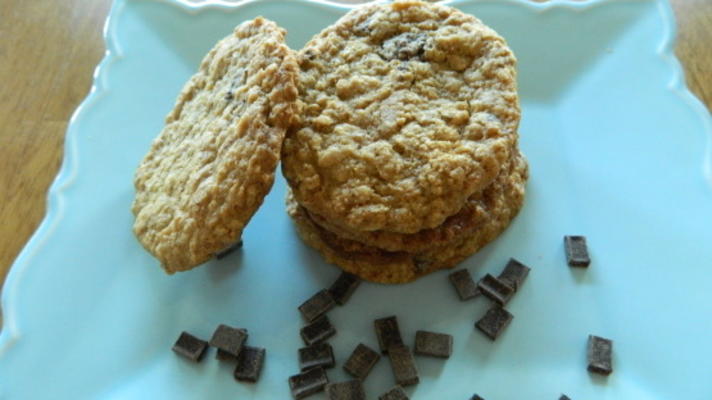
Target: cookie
(409, 108)
(378, 265)
(470, 217)
(210, 167)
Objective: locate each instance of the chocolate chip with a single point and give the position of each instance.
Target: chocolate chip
(229, 96)
(349, 390)
(317, 305)
(514, 274)
(229, 339)
(494, 322)
(464, 284)
(249, 364)
(576, 251)
(433, 344)
(318, 355)
(318, 331)
(495, 289)
(403, 365)
(388, 333)
(361, 361)
(190, 347)
(564, 397)
(599, 355)
(476, 397)
(344, 286)
(395, 393)
(308, 382)
(403, 47)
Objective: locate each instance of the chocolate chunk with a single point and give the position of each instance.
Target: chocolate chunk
(190, 347)
(343, 287)
(223, 355)
(476, 397)
(464, 284)
(576, 251)
(318, 331)
(395, 393)
(514, 274)
(349, 390)
(495, 289)
(223, 253)
(308, 382)
(403, 365)
(229, 339)
(599, 355)
(564, 397)
(249, 364)
(317, 305)
(403, 47)
(388, 333)
(318, 355)
(361, 361)
(433, 344)
(494, 322)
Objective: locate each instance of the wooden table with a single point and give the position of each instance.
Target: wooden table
(48, 50)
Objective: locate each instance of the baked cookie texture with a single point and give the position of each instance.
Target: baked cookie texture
(210, 167)
(497, 206)
(409, 109)
(470, 217)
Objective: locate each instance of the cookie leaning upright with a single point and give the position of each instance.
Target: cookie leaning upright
(409, 109)
(214, 161)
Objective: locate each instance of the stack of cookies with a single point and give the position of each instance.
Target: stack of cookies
(404, 159)
(396, 128)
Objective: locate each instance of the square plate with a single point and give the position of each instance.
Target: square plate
(618, 151)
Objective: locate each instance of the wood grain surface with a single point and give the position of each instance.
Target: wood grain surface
(48, 51)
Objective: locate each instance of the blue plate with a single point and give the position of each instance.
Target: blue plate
(619, 152)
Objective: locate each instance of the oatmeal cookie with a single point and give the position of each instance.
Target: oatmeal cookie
(210, 167)
(378, 265)
(468, 219)
(409, 108)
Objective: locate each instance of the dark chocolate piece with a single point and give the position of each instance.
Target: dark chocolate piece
(343, 287)
(514, 274)
(599, 355)
(318, 355)
(388, 333)
(249, 364)
(494, 322)
(229, 339)
(318, 331)
(395, 393)
(190, 347)
(476, 397)
(223, 355)
(223, 253)
(308, 382)
(317, 305)
(564, 397)
(576, 251)
(495, 289)
(464, 284)
(403, 365)
(433, 344)
(361, 361)
(349, 390)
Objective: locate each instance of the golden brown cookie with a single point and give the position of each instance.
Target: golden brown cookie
(209, 169)
(408, 109)
(377, 265)
(469, 218)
